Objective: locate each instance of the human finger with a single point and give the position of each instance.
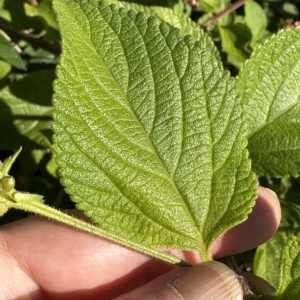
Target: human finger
(206, 281)
(63, 260)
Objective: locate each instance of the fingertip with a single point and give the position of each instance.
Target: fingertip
(271, 198)
(206, 281)
(260, 226)
(209, 280)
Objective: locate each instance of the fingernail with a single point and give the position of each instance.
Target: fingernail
(210, 280)
(272, 192)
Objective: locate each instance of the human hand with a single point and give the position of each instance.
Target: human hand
(41, 259)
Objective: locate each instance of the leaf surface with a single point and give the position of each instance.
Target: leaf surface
(269, 85)
(289, 286)
(176, 19)
(267, 256)
(149, 131)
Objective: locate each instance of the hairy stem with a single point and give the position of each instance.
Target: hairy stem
(54, 214)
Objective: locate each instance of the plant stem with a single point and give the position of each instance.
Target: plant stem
(224, 12)
(49, 212)
(19, 35)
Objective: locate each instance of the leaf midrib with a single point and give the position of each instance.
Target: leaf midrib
(148, 138)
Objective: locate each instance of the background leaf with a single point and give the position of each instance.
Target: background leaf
(26, 112)
(269, 84)
(149, 132)
(289, 287)
(234, 39)
(10, 55)
(4, 68)
(256, 19)
(267, 257)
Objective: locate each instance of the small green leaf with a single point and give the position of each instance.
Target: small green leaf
(7, 164)
(44, 10)
(234, 39)
(149, 131)
(10, 54)
(256, 19)
(267, 257)
(291, 9)
(269, 84)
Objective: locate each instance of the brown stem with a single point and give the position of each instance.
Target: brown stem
(224, 12)
(19, 35)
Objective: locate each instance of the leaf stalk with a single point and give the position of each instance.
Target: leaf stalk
(54, 214)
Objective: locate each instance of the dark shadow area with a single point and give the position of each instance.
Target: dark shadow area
(19, 20)
(10, 137)
(36, 88)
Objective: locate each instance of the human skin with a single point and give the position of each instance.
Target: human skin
(41, 259)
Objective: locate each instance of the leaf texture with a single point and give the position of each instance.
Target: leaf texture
(267, 256)
(149, 131)
(176, 19)
(269, 85)
(289, 287)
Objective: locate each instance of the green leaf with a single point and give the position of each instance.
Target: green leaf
(234, 39)
(289, 286)
(187, 26)
(10, 55)
(6, 165)
(176, 19)
(269, 84)
(26, 112)
(149, 131)
(4, 68)
(44, 10)
(291, 9)
(256, 19)
(267, 257)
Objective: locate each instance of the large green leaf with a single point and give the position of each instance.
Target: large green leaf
(176, 19)
(269, 84)
(267, 257)
(149, 131)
